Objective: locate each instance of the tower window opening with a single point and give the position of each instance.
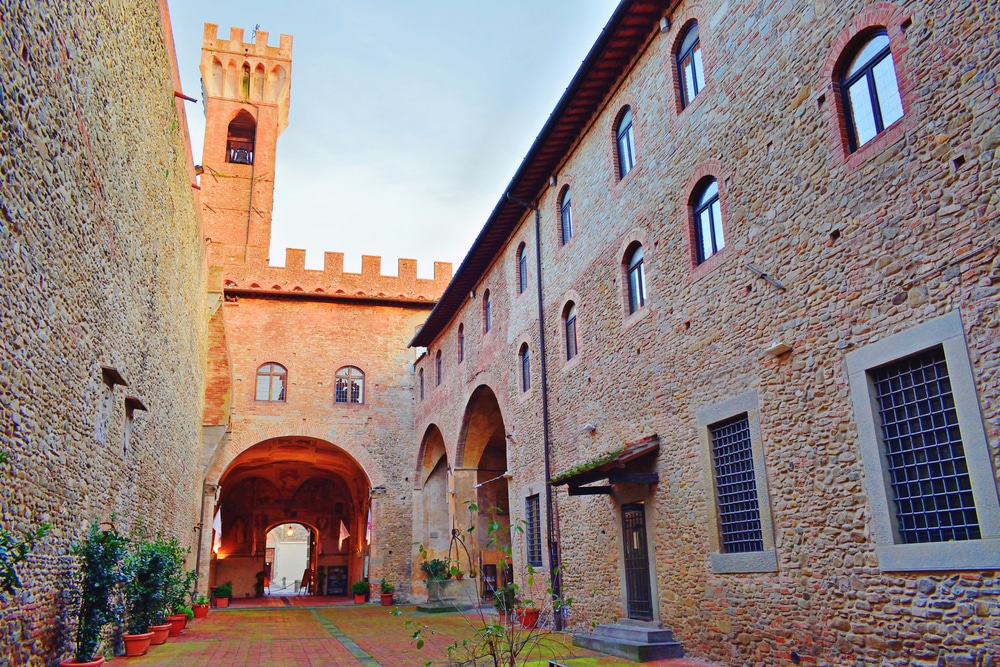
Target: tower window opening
(240, 139)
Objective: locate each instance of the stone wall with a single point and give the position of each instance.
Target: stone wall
(102, 266)
(866, 245)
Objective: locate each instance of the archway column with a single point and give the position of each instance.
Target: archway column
(464, 481)
(204, 556)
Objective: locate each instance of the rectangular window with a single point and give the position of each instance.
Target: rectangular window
(923, 450)
(736, 486)
(928, 471)
(533, 532)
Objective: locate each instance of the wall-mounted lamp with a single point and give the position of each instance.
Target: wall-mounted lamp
(290, 531)
(664, 24)
(589, 429)
(553, 180)
(472, 294)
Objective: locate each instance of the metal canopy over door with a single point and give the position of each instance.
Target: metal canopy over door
(640, 599)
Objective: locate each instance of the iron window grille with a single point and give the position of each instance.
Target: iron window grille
(571, 342)
(690, 70)
(271, 382)
(626, 148)
(532, 511)
(708, 222)
(522, 270)
(350, 385)
(566, 217)
(636, 281)
(420, 376)
(870, 92)
(923, 450)
(461, 343)
(525, 369)
(736, 486)
(437, 368)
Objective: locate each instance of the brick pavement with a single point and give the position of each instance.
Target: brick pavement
(366, 636)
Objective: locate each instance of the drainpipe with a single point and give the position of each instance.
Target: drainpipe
(550, 527)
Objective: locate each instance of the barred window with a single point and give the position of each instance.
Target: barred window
(487, 313)
(923, 450)
(271, 382)
(533, 532)
(461, 343)
(437, 368)
(421, 378)
(350, 385)
(525, 357)
(736, 486)
(522, 269)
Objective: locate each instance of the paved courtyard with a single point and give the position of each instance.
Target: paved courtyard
(294, 636)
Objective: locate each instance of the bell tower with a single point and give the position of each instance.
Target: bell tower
(246, 91)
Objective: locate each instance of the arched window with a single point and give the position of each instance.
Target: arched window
(487, 315)
(350, 385)
(437, 369)
(626, 147)
(240, 138)
(636, 279)
(566, 216)
(271, 382)
(421, 377)
(525, 357)
(522, 269)
(569, 325)
(690, 72)
(870, 92)
(707, 221)
(461, 343)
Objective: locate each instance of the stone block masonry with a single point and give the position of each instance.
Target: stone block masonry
(101, 257)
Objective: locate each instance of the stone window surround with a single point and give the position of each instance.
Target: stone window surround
(633, 236)
(948, 332)
(707, 169)
(757, 561)
(566, 364)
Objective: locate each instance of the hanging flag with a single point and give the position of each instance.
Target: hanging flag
(368, 530)
(343, 535)
(217, 531)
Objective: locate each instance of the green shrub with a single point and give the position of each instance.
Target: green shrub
(386, 587)
(360, 588)
(224, 590)
(100, 555)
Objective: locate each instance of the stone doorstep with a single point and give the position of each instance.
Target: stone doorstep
(638, 642)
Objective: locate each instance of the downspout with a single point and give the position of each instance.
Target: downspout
(550, 527)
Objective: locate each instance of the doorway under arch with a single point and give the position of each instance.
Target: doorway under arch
(288, 560)
(293, 480)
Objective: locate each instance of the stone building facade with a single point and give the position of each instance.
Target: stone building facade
(739, 267)
(104, 322)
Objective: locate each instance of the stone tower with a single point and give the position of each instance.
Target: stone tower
(246, 92)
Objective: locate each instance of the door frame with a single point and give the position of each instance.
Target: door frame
(627, 496)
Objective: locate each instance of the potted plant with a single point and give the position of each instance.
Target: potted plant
(386, 590)
(360, 589)
(435, 568)
(505, 601)
(200, 606)
(100, 556)
(456, 572)
(178, 583)
(146, 590)
(222, 594)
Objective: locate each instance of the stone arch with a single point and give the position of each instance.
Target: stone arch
(257, 89)
(479, 422)
(429, 453)
(214, 83)
(275, 83)
(433, 506)
(249, 435)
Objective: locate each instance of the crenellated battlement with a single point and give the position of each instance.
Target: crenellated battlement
(236, 46)
(334, 281)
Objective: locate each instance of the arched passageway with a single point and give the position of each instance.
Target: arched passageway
(482, 452)
(433, 508)
(293, 480)
(289, 558)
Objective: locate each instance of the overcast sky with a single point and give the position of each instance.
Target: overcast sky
(407, 118)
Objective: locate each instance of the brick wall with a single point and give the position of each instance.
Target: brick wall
(867, 246)
(102, 265)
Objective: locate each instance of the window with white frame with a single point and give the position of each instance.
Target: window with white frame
(928, 471)
(271, 382)
(350, 385)
(626, 143)
(635, 274)
(690, 71)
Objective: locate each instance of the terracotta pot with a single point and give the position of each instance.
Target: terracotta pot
(200, 610)
(177, 622)
(359, 598)
(160, 633)
(386, 599)
(221, 603)
(96, 662)
(528, 618)
(136, 645)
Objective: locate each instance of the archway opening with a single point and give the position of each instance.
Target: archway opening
(303, 482)
(288, 559)
(483, 451)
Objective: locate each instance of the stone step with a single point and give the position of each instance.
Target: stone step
(634, 651)
(635, 633)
